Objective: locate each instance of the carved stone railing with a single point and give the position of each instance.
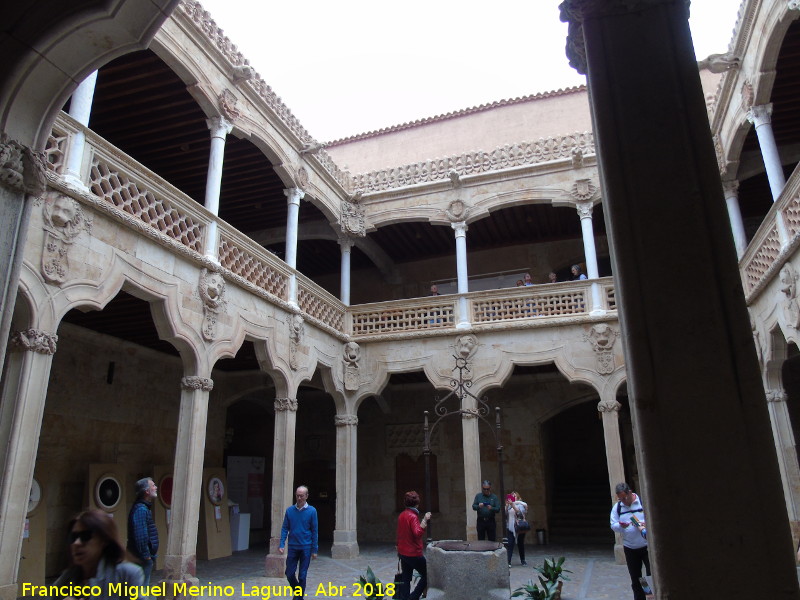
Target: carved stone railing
(469, 163)
(412, 314)
(319, 304)
(252, 263)
(766, 250)
(58, 142)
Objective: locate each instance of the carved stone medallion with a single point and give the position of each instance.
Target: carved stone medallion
(296, 331)
(601, 337)
(583, 190)
(457, 211)
(212, 292)
(351, 355)
(63, 221)
(353, 219)
(788, 289)
(227, 105)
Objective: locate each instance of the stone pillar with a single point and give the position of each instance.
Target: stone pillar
(282, 479)
(472, 467)
(761, 117)
(346, 243)
(463, 275)
(21, 410)
(695, 389)
(590, 252)
(345, 538)
(180, 560)
(22, 180)
(293, 197)
(80, 109)
(731, 190)
(219, 128)
(609, 410)
(787, 456)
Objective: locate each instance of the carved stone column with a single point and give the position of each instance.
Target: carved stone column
(787, 456)
(293, 197)
(22, 180)
(345, 538)
(21, 410)
(220, 128)
(472, 465)
(585, 210)
(282, 479)
(180, 559)
(609, 409)
(731, 190)
(697, 399)
(346, 244)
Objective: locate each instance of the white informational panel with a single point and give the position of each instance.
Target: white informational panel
(247, 487)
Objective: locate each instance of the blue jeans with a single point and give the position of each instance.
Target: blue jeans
(294, 556)
(147, 568)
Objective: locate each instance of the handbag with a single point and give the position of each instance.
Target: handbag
(402, 589)
(521, 525)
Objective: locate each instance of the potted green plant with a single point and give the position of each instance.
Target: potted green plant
(531, 591)
(369, 586)
(553, 571)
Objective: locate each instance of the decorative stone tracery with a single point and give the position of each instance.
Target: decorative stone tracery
(285, 404)
(602, 337)
(212, 293)
(195, 382)
(351, 355)
(34, 340)
(63, 221)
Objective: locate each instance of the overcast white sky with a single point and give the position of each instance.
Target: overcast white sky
(354, 66)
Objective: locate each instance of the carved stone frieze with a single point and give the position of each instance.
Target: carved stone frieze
(583, 190)
(212, 292)
(63, 219)
(296, 331)
(788, 297)
(34, 340)
(345, 420)
(602, 337)
(195, 382)
(283, 404)
(21, 168)
(609, 406)
(227, 105)
(457, 211)
(351, 356)
(353, 220)
(776, 396)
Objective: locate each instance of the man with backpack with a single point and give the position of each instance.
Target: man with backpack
(627, 519)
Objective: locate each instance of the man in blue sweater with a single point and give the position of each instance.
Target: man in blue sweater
(300, 525)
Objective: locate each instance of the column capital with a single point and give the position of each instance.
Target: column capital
(345, 420)
(575, 11)
(219, 126)
(778, 395)
(731, 188)
(21, 168)
(794, 5)
(608, 406)
(34, 340)
(194, 382)
(585, 209)
(294, 195)
(284, 404)
(760, 115)
(460, 228)
(346, 242)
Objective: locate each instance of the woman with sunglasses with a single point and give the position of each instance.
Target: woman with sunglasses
(98, 558)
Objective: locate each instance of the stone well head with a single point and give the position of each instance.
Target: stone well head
(460, 570)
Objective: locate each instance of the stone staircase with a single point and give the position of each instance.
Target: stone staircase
(579, 514)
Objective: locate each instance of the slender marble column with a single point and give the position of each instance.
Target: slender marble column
(731, 190)
(345, 536)
(761, 117)
(21, 410)
(590, 252)
(659, 167)
(282, 480)
(461, 269)
(785, 447)
(219, 128)
(346, 243)
(609, 409)
(293, 197)
(180, 560)
(80, 109)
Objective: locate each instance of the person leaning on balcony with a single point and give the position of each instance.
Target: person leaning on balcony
(434, 290)
(519, 283)
(527, 279)
(576, 273)
(552, 277)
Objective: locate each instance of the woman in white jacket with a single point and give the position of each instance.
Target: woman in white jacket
(517, 510)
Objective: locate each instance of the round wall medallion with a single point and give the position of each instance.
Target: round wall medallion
(165, 491)
(35, 496)
(107, 492)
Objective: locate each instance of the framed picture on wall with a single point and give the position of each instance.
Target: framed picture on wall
(216, 490)
(107, 492)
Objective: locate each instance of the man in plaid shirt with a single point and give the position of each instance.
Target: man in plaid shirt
(142, 532)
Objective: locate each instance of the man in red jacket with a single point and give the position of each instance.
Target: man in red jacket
(409, 544)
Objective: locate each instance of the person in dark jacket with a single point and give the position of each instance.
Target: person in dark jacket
(142, 532)
(409, 543)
